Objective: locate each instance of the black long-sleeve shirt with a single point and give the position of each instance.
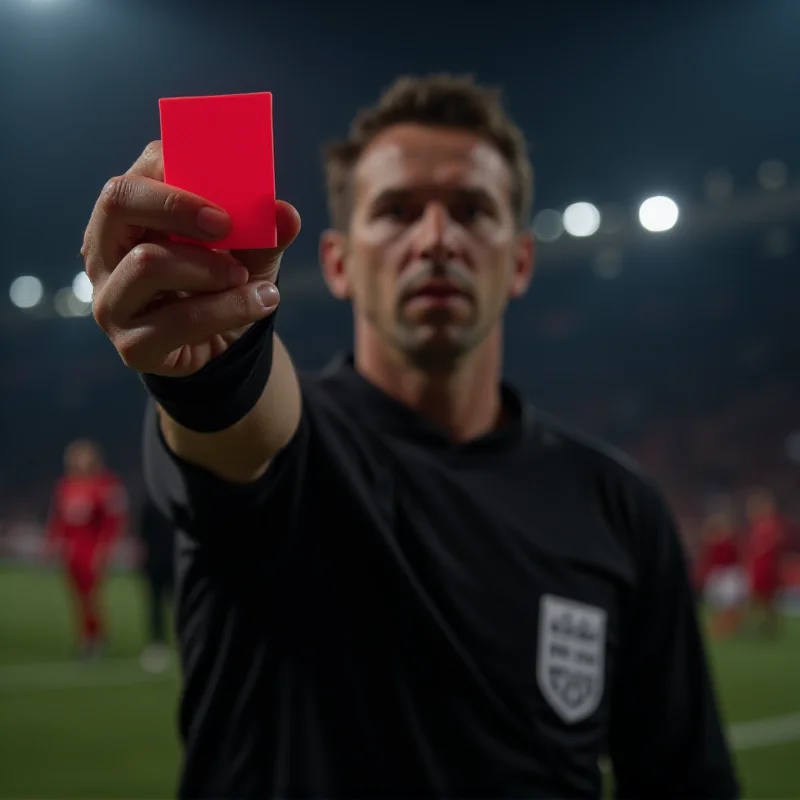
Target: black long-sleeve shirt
(388, 614)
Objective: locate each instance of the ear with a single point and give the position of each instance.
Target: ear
(333, 258)
(524, 259)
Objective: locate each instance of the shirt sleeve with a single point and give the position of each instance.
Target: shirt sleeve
(207, 508)
(666, 738)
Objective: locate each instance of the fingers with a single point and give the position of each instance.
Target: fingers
(150, 163)
(266, 263)
(131, 205)
(152, 269)
(155, 298)
(156, 336)
(138, 204)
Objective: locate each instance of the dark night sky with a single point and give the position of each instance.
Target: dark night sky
(618, 98)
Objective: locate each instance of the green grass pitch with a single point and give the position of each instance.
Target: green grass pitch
(109, 730)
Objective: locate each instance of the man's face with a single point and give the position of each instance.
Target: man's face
(81, 458)
(760, 504)
(433, 253)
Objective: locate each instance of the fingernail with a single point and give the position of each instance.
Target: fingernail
(268, 295)
(213, 222)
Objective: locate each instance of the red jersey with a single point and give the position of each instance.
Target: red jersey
(88, 511)
(766, 543)
(768, 538)
(718, 554)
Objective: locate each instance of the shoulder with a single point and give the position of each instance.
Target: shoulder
(334, 406)
(614, 483)
(591, 455)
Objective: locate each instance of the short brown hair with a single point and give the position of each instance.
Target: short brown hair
(438, 100)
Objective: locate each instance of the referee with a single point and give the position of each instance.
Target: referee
(397, 578)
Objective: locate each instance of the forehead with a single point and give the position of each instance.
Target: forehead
(409, 156)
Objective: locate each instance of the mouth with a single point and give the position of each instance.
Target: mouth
(438, 294)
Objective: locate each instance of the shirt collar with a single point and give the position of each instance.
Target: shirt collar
(366, 401)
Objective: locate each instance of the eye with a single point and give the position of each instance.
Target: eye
(468, 212)
(399, 212)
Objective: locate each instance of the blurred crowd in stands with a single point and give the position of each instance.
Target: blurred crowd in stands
(689, 361)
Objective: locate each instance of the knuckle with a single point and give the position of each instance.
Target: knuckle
(152, 151)
(142, 260)
(93, 267)
(101, 311)
(175, 204)
(116, 194)
(126, 347)
(129, 348)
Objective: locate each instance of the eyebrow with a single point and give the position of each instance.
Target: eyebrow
(405, 193)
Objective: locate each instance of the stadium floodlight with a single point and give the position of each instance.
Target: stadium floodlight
(82, 287)
(63, 301)
(658, 214)
(26, 291)
(772, 174)
(67, 304)
(547, 225)
(581, 219)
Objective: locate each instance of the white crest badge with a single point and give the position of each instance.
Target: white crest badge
(570, 668)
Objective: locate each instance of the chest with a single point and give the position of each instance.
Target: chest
(80, 504)
(496, 573)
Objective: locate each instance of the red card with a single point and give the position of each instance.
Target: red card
(221, 149)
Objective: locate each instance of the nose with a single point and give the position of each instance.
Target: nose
(435, 235)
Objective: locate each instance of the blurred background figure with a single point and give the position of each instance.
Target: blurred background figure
(721, 574)
(768, 538)
(157, 563)
(86, 518)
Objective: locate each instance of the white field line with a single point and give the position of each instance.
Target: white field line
(127, 672)
(74, 674)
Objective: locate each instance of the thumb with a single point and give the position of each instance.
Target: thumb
(264, 264)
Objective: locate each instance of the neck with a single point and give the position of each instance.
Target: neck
(464, 400)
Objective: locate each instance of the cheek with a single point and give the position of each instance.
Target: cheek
(497, 280)
(379, 266)
(371, 284)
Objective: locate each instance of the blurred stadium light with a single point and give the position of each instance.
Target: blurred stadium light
(547, 225)
(658, 214)
(770, 210)
(26, 291)
(581, 219)
(82, 287)
(756, 210)
(772, 174)
(67, 304)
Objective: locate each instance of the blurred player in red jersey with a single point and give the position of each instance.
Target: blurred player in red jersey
(768, 534)
(88, 512)
(721, 574)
